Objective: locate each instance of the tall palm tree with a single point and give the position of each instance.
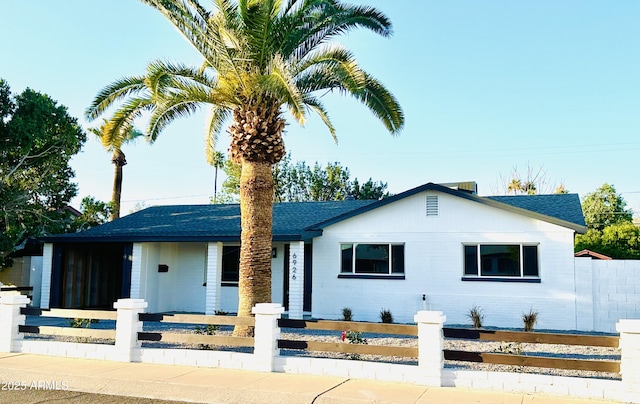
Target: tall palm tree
(260, 58)
(217, 161)
(113, 143)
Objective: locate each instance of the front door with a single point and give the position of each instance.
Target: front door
(306, 305)
(285, 287)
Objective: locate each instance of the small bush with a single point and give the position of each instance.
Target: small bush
(511, 348)
(81, 322)
(354, 337)
(529, 319)
(386, 316)
(209, 329)
(476, 314)
(347, 315)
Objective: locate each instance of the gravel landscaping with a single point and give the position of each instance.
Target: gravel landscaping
(545, 350)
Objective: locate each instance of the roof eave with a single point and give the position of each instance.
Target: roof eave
(461, 194)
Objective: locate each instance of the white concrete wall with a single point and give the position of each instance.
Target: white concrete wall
(434, 265)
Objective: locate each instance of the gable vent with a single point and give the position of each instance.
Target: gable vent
(432, 205)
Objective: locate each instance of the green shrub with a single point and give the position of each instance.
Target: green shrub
(355, 337)
(81, 322)
(209, 329)
(347, 315)
(386, 316)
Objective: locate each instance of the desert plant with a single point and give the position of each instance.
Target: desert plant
(354, 337)
(209, 329)
(511, 348)
(476, 314)
(386, 316)
(529, 319)
(81, 322)
(347, 315)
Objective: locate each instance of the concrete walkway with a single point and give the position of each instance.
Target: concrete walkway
(205, 385)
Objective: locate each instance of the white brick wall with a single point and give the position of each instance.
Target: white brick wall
(525, 382)
(434, 265)
(616, 292)
(214, 277)
(296, 279)
(47, 261)
(136, 272)
(68, 349)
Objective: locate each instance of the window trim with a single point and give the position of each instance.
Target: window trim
(497, 278)
(369, 275)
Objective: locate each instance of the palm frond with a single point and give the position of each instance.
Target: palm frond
(337, 64)
(382, 104)
(215, 120)
(280, 84)
(113, 93)
(318, 21)
(122, 120)
(171, 108)
(258, 18)
(188, 16)
(315, 105)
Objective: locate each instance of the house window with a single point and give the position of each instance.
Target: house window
(372, 259)
(230, 265)
(501, 261)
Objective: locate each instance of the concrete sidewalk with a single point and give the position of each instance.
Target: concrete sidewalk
(206, 385)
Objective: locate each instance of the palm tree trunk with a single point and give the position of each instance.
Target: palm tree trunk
(116, 193)
(215, 185)
(256, 213)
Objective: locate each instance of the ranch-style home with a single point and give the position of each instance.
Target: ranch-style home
(437, 246)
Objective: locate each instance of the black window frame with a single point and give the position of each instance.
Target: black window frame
(495, 262)
(354, 265)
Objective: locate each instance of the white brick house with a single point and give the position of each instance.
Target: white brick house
(455, 248)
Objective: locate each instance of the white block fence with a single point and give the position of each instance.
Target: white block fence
(266, 357)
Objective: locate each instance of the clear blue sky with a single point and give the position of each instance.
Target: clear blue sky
(486, 86)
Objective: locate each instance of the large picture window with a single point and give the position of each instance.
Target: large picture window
(373, 259)
(501, 261)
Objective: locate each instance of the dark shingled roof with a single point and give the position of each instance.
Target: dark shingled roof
(210, 223)
(561, 206)
(300, 220)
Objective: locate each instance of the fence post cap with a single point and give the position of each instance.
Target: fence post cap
(14, 298)
(433, 317)
(628, 326)
(130, 304)
(267, 308)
